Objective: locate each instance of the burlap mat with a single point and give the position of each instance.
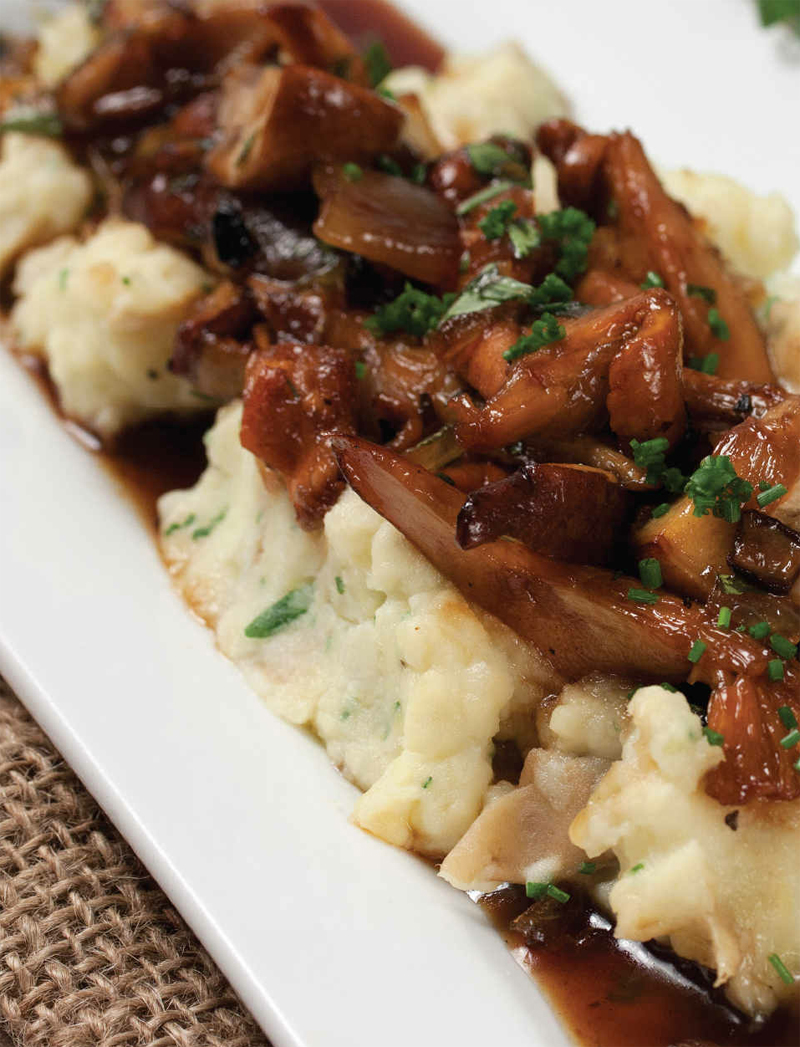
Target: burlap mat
(91, 952)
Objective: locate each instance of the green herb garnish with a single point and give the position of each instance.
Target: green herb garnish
(489, 193)
(771, 494)
(714, 487)
(788, 718)
(524, 236)
(280, 614)
(544, 331)
(708, 294)
(173, 527)
(759, 630)
(642, 596)
(31, 121)
(650, 572)
(783, 971)
(697, 651)
(780, 645)
(713, 737)
(496, 222)
(587, 868)
(204, 532)
(413, 311)
(707, 364)
(352, 172)
(339, 585)
(651, 280)
(724, 618)
(376, 59)
(573, 229)
(718, 326)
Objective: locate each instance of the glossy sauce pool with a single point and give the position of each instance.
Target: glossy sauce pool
(606, 993)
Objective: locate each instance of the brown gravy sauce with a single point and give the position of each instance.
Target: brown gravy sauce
(607, 993)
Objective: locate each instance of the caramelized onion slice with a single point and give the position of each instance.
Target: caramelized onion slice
(578, 617)
(568, 512)
(392, 221)
(276, 123)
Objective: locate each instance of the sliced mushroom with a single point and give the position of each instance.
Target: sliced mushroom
(277, 122)
(562, 389)
(718, 403)
(767, 552)
(578, 617)
(568, 512)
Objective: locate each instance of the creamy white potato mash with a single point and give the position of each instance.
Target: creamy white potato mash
(103, 313)
(725, 895)
(42, 193)
(404, 682)
(66, 37)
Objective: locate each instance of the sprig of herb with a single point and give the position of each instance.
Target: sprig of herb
(572, 229)
(496, 222)
(377, 61)
(30, 121)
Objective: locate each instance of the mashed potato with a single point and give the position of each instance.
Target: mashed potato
(755, 233)
(722, 887)
(65, 38)
(404, 682)
(103, 314)
(473, 98)
(42, 193)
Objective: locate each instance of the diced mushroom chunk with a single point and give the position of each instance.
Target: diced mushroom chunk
(277, 122)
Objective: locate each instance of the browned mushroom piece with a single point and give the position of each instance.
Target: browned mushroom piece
(578, 617)
(454, 176)
(694, 550)
(645, 398)
(311, 38)
(391, 221)
(569, 512)
(295, 314)
(276, 122)
(766, 552)
(599, 287)
(473, 345)
(684, 260)
(745, 714)
(716, 404)
(578, 158)
(295, 396)
(212, 343)
(562, 389)
(593, 451)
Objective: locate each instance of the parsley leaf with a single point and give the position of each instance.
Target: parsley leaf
(707, 364)
(718, 326)
(487, 289)
(280, 614)
(708, 294)
(774, 11)
(496, 222)
(545, 330)
(487, 157)
(489, 193)
(524, 236)
(573, 229)
(413, 310)
(714, 487)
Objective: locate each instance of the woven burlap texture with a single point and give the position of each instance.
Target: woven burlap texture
(91, 952)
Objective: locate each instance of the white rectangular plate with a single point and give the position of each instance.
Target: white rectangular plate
(330, 936)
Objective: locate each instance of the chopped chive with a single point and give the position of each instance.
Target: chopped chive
(780, 645)
(791, 739)
(669, 687)
(419, 172)
(390, 166)
(587, 868)
(772, 494)
(775, 670)
(642, 596)
(636, 868)
(534, 889)
(660, 510)
(759, 631)
(280, 614)
(713, 737)
(361, 369)
(718, 326)
(651, 280)
(204, 532)
(557, 893)
(650, 573)
(788, 718)
(489, 193)
(190, 519)
(708, 294)
(697, 651)
(339, 585)
(352, 172)
(796, 764)
(708, 364)
(724, 619)
(784, 973)
(427, 781)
